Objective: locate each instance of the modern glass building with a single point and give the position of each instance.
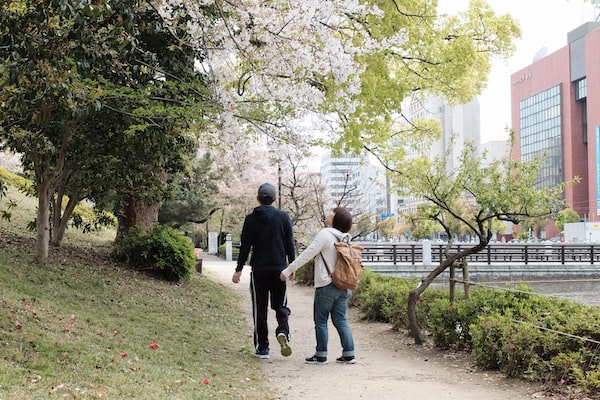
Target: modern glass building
(555, 112)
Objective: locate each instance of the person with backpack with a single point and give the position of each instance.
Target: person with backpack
(267, 237)
(328, 300)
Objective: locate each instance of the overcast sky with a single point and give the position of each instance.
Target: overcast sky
(544, 23)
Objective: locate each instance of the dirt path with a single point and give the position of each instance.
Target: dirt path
(389, 365)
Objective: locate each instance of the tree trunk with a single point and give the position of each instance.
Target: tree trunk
(42, 237)
(415, 295)
(137, 213)
(60, 219)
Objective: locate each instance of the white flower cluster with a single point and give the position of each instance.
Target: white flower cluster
(278, 56)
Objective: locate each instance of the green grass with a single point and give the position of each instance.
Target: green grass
(81, 326)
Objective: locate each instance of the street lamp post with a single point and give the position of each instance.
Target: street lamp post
(279, 181)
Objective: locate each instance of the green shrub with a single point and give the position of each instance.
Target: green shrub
(377, 295)
(366, 280)
(235, 251)
(447, 326)
(423, 314)
(90, 219)
(163, 249)
(487, 337)
(305, 275)
(522, 334)
(11, 179)
(385, 298)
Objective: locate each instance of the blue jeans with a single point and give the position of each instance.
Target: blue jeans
(329, 300)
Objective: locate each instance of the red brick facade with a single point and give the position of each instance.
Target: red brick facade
(580, 159)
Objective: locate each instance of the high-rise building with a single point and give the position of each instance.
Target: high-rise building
(460, 123)
(355, 183)
(555, 113)
(360, 185)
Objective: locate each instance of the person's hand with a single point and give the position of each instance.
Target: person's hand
(236, 276)
(285, 278)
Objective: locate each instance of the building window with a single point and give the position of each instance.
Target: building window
(581, 98)
(541, 134)
(581, 89)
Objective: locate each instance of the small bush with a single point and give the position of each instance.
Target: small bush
(305, 275)
(487, 337)
(89, 219)
(385, 298)
(163, 249)
(447, 326)
(14, 180)
(522, 334)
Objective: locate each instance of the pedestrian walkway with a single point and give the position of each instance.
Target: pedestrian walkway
(389, 365)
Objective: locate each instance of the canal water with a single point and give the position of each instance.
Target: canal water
(584, 291)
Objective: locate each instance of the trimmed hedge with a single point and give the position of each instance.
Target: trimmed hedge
(522, 334)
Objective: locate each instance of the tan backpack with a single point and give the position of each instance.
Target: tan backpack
(348, 265)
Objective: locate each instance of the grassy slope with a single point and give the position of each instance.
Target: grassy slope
(81, 326)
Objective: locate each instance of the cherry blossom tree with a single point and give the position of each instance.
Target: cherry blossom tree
(273, 63)
(265, 65)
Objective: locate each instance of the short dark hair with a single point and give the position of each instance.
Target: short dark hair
(265, 201)
(342, 219)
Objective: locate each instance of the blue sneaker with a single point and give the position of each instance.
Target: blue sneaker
(264, 354)
(286, 350)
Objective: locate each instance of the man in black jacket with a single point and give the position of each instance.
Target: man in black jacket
(267, 233)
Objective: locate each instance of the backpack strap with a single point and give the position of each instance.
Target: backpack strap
(326, 266)
(346, 238)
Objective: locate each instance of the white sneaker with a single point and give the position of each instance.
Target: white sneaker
(286, 350)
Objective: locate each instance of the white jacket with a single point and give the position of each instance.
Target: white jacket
(323, 243)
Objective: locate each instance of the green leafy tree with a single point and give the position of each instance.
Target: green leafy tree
(194, 194)
(364, 226)
(444, 55)
(498, 226)
(387, 228)
(420, 227)
(96, 98)
(566, 216)
(503, 190)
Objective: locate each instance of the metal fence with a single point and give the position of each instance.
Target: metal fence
(516, 253)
